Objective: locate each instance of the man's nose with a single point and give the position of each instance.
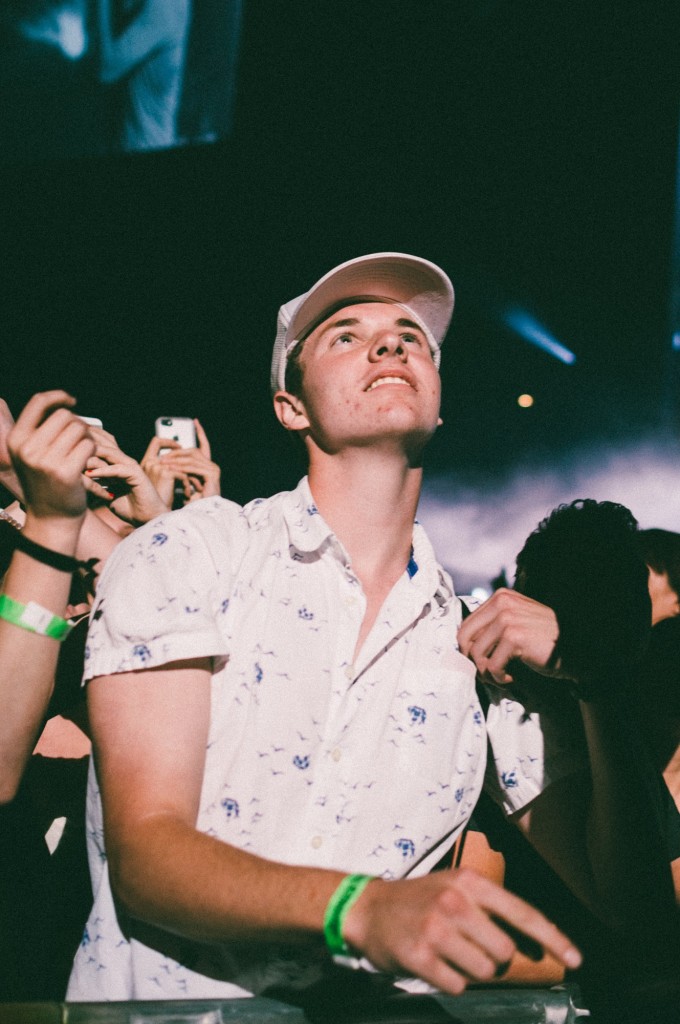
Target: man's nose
(388, 343)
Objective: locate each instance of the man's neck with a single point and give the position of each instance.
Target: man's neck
(370, 504)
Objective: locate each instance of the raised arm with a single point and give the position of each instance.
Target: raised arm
(96, 540)
(49, 447)
(599, 828)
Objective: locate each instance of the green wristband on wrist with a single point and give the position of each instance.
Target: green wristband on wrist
(339, 905)
(34, 618)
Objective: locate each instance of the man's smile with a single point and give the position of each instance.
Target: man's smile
(388, 379)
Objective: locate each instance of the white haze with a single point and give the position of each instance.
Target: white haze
(477, 527)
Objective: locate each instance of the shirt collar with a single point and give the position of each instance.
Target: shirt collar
(307, 529)
(310, 535)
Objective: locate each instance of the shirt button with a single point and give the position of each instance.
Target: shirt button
(336, 754)
(349, 671)
(316, 842)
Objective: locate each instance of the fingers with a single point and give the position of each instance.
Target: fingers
(155, 445)
(203, 442)
(95, 487)
(507, 626)
(110, 454)
(41, 442)
(189, 459)
(449, 928)
(103, 437)
(523, 918)
(38, 409)
(49, 447)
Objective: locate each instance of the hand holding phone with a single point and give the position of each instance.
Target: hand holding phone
(187, 467)
(176, 428)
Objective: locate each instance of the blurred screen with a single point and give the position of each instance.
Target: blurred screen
(82, 77)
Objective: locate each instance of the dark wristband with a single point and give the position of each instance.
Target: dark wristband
(55, 559)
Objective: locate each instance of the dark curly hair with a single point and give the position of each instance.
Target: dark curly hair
(584, 561)
(661, 552)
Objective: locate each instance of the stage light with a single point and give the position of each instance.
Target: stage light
(528, 328)
(676, 341)
(64, 29)
(525, 401)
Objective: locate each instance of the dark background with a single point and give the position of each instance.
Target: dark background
(528, 147)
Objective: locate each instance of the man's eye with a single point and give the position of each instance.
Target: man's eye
(344, 339)
(413, 339)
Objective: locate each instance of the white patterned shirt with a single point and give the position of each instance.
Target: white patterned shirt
(369, 766)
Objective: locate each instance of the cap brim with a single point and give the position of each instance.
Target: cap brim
(390, 277)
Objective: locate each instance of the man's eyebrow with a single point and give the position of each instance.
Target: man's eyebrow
(352, 321)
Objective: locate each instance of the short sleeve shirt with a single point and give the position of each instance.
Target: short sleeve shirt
(370, 765)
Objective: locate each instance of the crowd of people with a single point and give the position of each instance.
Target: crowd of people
(308, 754)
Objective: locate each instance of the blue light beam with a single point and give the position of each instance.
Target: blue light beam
(529, 329)
(64, 29)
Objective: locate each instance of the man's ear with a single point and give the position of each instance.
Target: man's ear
(290, 411)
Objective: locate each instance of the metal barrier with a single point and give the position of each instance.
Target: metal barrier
(500, 1006)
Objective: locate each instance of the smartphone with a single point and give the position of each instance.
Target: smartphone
(177, 428)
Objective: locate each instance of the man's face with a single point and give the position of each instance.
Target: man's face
(368, 375)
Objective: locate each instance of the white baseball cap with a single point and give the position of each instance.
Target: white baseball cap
(420, 287)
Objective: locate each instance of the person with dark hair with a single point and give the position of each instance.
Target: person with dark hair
(661, 683)
(661, 552)
(583, 560)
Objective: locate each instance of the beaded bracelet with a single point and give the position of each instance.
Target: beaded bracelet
(34, 618)
(339, 905)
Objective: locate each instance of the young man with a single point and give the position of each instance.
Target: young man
(277, 699)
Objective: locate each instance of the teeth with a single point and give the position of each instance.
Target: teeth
(388, 380)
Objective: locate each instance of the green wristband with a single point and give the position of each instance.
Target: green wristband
(339, 905)
(34, 618)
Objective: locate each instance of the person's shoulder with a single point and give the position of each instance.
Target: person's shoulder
(206, 509)
(261, 512)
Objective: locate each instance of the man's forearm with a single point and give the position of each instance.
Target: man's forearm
(28, 660)
(170, 875)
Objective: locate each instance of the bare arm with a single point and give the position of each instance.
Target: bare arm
(598, 830)
(166, 872)
(49, 447)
